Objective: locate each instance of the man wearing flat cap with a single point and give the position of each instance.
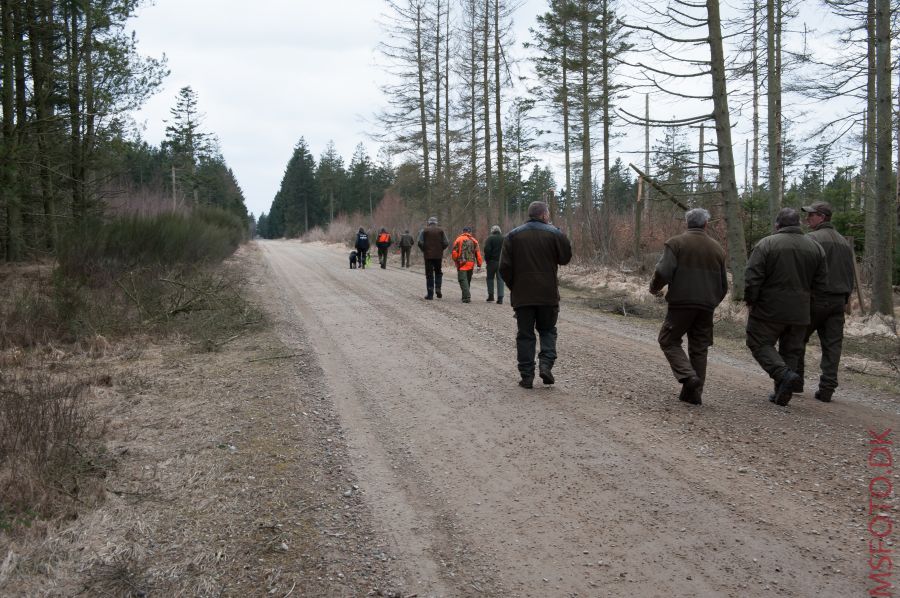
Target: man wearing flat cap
(433, 241)
(828, 305)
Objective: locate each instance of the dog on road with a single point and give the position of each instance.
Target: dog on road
(353, 259)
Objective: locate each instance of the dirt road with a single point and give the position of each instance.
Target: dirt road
(603, 485)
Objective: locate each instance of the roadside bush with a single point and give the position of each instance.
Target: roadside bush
(99, 250)
(46, 431)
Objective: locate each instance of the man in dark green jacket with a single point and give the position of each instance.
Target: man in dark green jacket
(529, 262)
(827, 311)
(782, 273)
(491, 249)
(406, 243)
(693, 266)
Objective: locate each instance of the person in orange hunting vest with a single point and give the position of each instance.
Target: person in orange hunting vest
(383, 242)
(466, 255)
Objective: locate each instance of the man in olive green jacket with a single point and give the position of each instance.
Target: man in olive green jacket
(693, 266)
(492, 248)
(783, 271)
(827, 311)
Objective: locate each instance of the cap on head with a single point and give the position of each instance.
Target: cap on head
(495, 228)
(383, 230)
(467, 229)
(819, 207)
(361, 229)
(432, 220)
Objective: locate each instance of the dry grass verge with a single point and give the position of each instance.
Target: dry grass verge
(230, 473)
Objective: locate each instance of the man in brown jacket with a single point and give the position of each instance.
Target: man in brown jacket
(827, 312)
(693, 266)
(433, 241)
(782, 273)
(529, 259)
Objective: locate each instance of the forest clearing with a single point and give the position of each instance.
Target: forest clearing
(365, 442)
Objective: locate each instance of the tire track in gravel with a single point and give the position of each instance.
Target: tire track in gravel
(595, 487)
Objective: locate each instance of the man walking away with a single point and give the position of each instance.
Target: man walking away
(466, 254)
(529, 262)
(492, 247)
(406, 243)
(383, 243)
(693, 266)
(433, 241)
(783, 272)
(362, 247)
(827, 312)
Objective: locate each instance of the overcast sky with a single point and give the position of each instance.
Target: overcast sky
(271, 71)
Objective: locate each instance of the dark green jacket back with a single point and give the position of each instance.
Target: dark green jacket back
(529, 261)
(693, 265)
(492, 247)
(838, 256)
(783, 271)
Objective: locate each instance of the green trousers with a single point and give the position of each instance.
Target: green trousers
(763, 335)
(827, 320)
(465, 280)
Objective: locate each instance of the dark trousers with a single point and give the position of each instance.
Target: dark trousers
(826, 319)
(382, 256)
(762, 336)
(433, 276)
(528, 318)
(698, 325)
(363, 254)
(404, 257)
(493, 271)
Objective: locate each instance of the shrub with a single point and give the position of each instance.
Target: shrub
(45, 432)
(104, 249)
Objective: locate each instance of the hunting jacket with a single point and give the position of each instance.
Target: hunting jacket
(693, 266)
(456, 254)
(783, 272)
(492, 246)
(433, 241)
(529, 262)
(838, 256)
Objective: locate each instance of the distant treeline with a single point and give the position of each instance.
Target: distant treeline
(70, 74)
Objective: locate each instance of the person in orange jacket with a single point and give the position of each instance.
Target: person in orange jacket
(466, 255)
(383, 243)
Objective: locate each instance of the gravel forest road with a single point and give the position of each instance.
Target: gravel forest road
(602, 485)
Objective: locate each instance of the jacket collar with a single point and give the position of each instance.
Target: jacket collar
(824, 224)
(791, 230)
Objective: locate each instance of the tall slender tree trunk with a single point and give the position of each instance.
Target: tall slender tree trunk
(567, 129)
(502, 207)
(882, 292)
(423, 117)
(647, 152)
(473, 111)
(486, 102)
(700, 165)
(586, 179)
(737, 255)
(40, 35)
(447, 93)
(754, 189)
(605, 86)
(8, 171)
(773, 22)
(869, 185)
(438, 163)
